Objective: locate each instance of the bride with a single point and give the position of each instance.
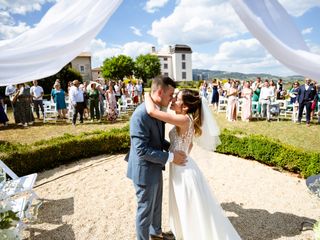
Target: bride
(194, 212)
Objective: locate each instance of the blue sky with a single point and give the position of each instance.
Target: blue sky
(211, 28)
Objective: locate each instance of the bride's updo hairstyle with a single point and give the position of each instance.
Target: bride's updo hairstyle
(192, 100)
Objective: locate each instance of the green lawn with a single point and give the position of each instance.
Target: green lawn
(286, 131)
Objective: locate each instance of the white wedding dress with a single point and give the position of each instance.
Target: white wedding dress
(194, 213)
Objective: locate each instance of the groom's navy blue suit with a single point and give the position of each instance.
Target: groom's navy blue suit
(146, 160)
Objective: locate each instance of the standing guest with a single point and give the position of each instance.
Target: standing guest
(215, 94)
(111, 103)
(204, 89)
(232, 95)
(135, 94)
(280, 90)
(293, 93)
(140, 90)
(10, 92)
(58, 96)
(93, 94)
(266, 94)
(227, 86)
(117, 90)
(77, 100)
(3, 116)
(273, 86)
(36, 92)
(83, 87)
(306, 95)
(22, 99)
(246, 95)
(256, 88)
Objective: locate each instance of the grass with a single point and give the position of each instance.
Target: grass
(300, 136)
(286, 131)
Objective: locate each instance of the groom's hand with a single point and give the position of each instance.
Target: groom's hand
(179, 158)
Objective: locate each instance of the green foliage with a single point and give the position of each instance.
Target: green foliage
(118, 67)
(65, 75)
(46, 154)
(8, 219)
(270, 152)
(147, 66)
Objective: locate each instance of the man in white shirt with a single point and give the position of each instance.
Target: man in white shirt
(36, 92)
(265, 100)
(76, 96)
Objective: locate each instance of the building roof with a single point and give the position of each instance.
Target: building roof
(180, 48)
(98, 69)
(84, 54)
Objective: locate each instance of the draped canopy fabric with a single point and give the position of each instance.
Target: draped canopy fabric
(268, 21)
(69, 26)
(62, 34)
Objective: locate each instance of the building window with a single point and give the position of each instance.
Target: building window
(165, 66)
(184, 75)
(166, 74)
(82, 69)
(183, 65)
(165, 59)
(183, 57)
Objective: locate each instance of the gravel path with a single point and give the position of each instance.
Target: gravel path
(92, 199)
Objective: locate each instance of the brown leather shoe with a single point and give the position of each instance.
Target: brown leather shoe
(165, 236)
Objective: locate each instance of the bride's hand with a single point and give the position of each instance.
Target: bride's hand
(180, 158)
(150, 106)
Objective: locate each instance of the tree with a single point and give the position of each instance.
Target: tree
(65, 75)
(118, 67)
(147, 66)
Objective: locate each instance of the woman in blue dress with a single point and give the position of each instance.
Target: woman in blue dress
(58, 96)
(215, 95)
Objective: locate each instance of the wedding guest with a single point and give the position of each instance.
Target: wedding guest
(280, 90)
(23, 100)
(36, 92)
(93, 94)
(273, 86)
(306, 95)
(266, 94)
(293, 93)
(246, 95)
(256, 88)
(58, 96)
(232, 95)
(215, 94)
(111, 103)
(3, 116)
(77, 100)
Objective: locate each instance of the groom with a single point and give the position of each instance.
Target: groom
(147, 158)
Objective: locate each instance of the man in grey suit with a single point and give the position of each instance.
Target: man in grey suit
(147, 158)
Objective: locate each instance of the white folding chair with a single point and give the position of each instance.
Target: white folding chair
(50, 112)
(223, 104)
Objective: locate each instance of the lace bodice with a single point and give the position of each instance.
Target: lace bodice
(181, 142)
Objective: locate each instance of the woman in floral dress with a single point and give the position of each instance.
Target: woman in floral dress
(112, 111)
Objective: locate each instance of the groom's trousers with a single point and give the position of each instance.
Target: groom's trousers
(148, 219)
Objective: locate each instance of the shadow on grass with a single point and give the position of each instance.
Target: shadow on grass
(51, 212)
(259, 224)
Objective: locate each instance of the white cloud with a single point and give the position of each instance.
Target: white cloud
(307, 30)
(23, 6)
(153, 5)
(197, 22)
(100, 51)
(246, 56)
(9, 31)
(136, 31)
(299, 7)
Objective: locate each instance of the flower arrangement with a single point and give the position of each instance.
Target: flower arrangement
(8, 222)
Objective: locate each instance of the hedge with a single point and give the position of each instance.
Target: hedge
(47, 154)
(28, 158)
(270, 152)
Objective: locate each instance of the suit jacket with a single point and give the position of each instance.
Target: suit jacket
(147, 157)
(306, 95)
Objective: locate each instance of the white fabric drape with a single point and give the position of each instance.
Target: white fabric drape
(268, 21)
(63, 33)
